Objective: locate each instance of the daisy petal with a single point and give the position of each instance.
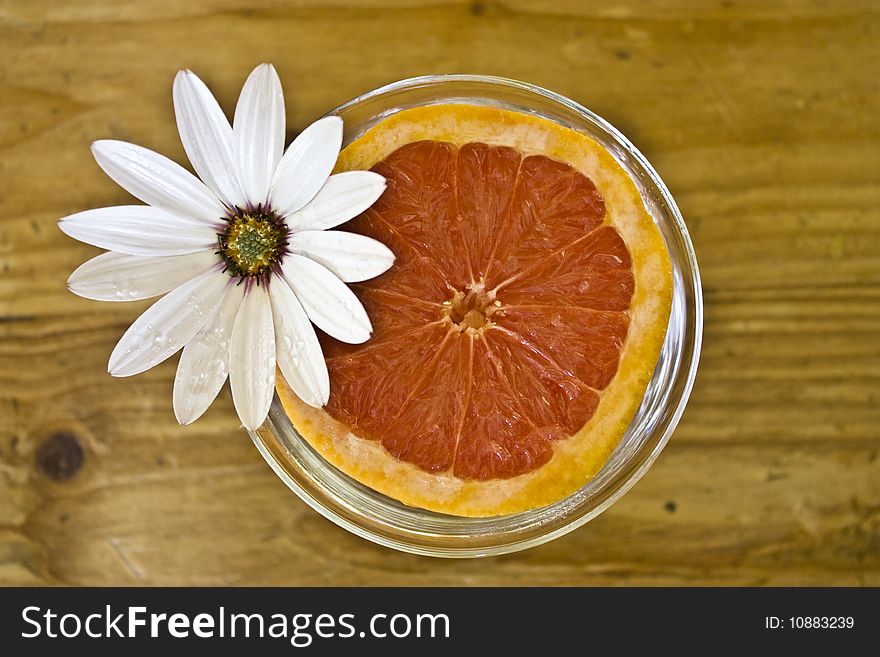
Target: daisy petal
(157, 181)
(168, 324)
(204, 363)
(139, 230)
(252, 358)
(327, 300)
(207, 137)
(297, 349)
(119, 277)
(258, 132)
(343, 197)
(306, 165)
(351, 257)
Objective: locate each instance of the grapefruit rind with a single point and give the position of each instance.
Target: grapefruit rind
(577, 460)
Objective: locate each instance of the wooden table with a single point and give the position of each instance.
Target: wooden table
(761, 117)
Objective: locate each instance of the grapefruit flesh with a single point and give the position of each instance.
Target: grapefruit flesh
(515, 333)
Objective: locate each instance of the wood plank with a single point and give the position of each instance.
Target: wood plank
(764, 521)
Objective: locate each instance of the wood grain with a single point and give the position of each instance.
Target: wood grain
(762, 119)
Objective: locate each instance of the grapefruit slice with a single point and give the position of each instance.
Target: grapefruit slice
(515, 334)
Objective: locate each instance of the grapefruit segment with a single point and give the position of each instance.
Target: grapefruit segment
(516, 332)
(497, 440)
(419, 204)
(413, 274)
(593, 272)
(553, 206)
(485, 181)
(392, 314)
(584, 343)
(551, 397)
(426, 429)
(367, 391)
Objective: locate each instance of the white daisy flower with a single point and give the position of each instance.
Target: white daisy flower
(243, 253)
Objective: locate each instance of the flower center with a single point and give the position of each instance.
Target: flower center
(253, 243)
(471, 310)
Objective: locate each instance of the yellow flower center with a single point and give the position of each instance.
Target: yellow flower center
(253, 243)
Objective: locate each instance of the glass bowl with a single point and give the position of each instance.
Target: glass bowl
(388, 522)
